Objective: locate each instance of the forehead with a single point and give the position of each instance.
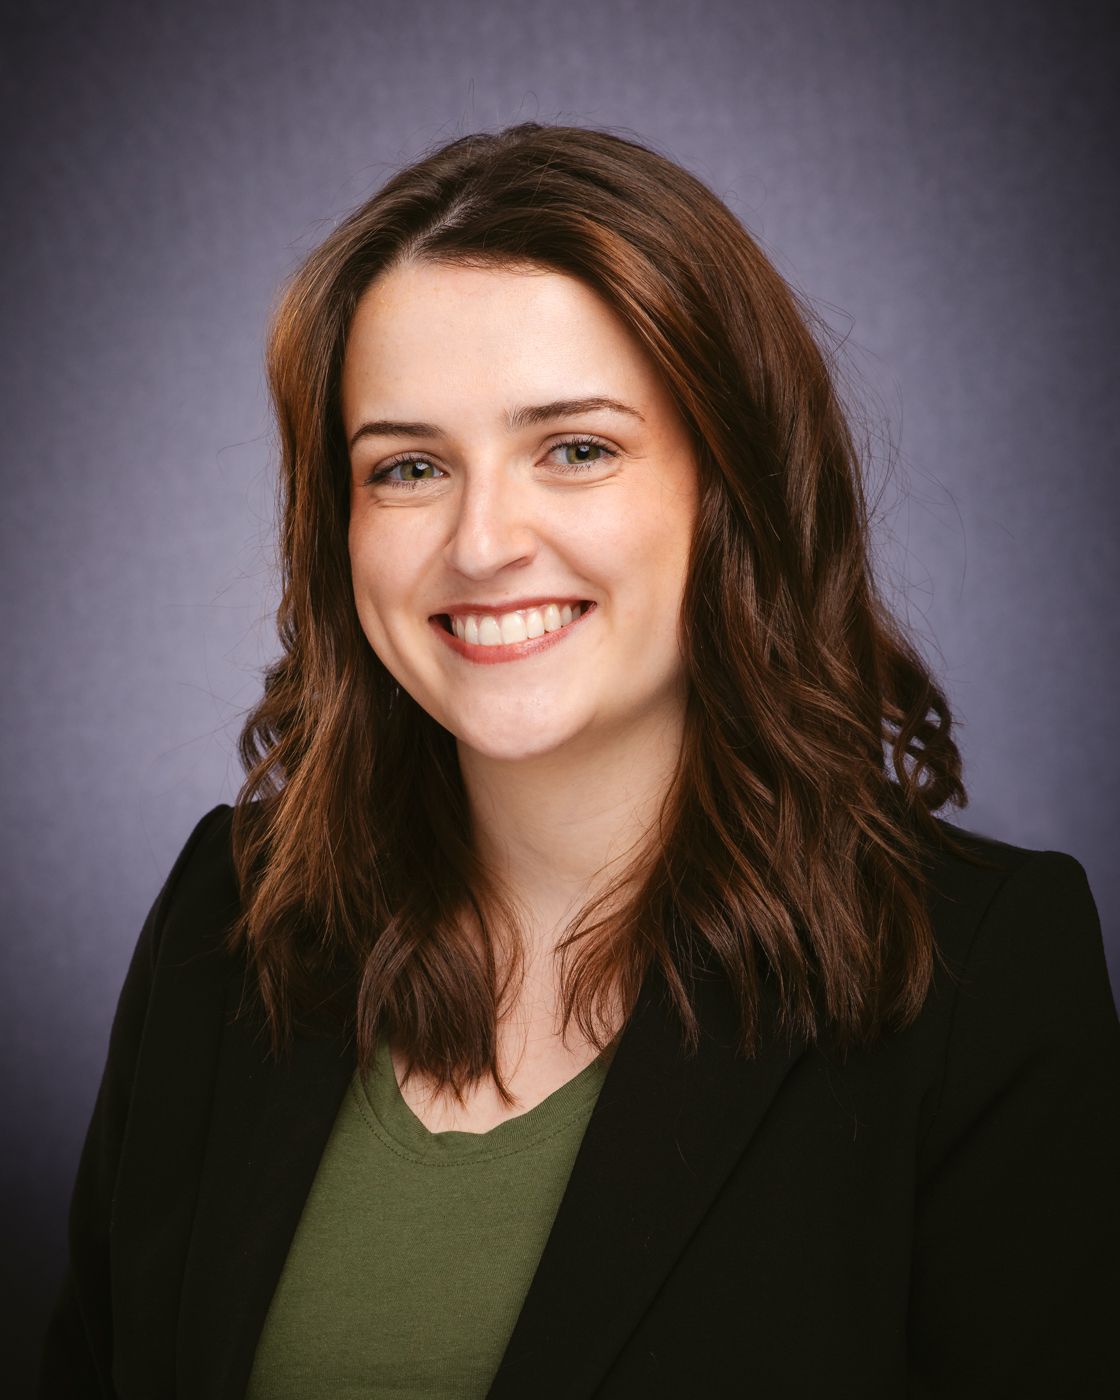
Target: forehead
(435, 333)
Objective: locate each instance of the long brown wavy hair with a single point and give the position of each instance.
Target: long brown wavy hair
(793, 843)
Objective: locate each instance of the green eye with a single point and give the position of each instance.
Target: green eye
(581, 448)
(407, 473)
(577, 453)
(400, 465)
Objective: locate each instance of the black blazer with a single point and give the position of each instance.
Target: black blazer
(933, 1217)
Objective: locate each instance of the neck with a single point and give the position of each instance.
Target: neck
(559, 828)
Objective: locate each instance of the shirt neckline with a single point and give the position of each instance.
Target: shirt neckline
(380, 1094)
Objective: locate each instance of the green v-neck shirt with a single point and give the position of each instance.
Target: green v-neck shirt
(415, 1249)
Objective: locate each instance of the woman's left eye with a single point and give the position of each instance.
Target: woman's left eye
(582, 445)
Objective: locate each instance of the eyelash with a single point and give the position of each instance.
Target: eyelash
(381, 474)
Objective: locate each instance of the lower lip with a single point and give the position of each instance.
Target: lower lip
(514, 651)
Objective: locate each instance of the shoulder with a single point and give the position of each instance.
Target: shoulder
(1017, 1155)
(1020, 932)
(200, 899)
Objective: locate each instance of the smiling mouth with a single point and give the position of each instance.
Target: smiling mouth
(488, 630)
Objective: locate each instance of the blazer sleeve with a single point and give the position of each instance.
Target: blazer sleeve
(1014, 1274)
(78, 1350)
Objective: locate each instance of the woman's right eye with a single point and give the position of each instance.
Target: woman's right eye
(383, 474)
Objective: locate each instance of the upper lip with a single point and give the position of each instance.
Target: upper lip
(463, 608)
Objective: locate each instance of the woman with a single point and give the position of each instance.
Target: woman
(582, 998)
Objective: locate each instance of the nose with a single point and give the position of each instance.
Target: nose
(493, 527)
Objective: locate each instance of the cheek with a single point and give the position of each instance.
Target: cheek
(646, 548)
(378, 566)
(677, 513)
(372, 578)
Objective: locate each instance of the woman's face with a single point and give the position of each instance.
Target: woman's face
(473, 508)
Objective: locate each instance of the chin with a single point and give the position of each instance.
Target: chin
(506, 748)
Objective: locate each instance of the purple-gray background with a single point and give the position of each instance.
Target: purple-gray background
(938, 177)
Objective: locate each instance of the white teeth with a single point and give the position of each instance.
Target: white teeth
(512, 628)
(489, 631)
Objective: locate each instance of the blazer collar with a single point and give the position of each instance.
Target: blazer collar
(270, 1122)
(665, 1133)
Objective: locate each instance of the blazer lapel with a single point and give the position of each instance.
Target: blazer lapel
(270, 1124)
(664, 1135)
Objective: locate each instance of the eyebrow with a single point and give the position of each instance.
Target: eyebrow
(516, 418)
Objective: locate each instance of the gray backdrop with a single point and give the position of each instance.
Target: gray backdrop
(938, 177)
